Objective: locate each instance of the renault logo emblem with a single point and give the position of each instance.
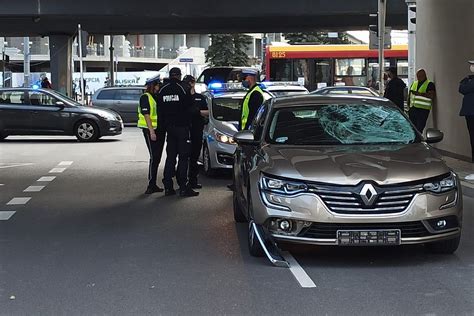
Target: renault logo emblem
(368, 194)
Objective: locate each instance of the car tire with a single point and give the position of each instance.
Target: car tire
(444, 247)
(239, 216)
(87, 131)
(255, 249)
(206, 161)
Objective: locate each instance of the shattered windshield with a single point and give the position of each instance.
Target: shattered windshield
(341, 124)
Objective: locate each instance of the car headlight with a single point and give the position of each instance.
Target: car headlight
(441, 186)
(108, 117)
(223, 138)
(285, 187)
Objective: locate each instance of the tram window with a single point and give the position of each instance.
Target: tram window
(402, 68)
(350, 67)
(280, 70)
(301, 70)
(351, 72)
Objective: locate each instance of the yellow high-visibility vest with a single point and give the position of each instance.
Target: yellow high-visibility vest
(419, 101)
(245, 106)
(153, 113)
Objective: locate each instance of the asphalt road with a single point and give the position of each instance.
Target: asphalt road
(89, 242)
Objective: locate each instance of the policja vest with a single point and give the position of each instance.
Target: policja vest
(245, 106)
(419, 101)
(153, 113)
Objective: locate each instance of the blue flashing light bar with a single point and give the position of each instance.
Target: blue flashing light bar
(230, 86)
(215, 85)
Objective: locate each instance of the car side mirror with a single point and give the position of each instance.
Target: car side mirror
(60, 104)
(434, 136)
(245, 138)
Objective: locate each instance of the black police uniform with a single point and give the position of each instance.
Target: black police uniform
(174, 115)
(197, 127)
(155, 148)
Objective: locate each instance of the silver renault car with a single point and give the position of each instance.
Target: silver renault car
(342, 171)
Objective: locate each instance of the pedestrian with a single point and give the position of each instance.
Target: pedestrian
(45, 84)
(153, 133)
(466, 88)
(174, 113)
(420, 100)
(395, 89)
(252, 100)
(199, 111)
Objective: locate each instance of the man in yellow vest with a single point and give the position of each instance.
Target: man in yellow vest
(154, 136)
(420, 100)
(252, 100)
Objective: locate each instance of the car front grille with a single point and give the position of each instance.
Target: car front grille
(354, 199)
(329, 230)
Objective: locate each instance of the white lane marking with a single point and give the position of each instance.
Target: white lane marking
(15, 165)
(6, 215)
(34, 188)
(46, 179)
(19, 201)
(467, 184)
(300, 275)
(65, 163)
(57, 170)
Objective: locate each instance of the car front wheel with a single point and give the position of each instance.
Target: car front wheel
(87, 131)
(206, 160)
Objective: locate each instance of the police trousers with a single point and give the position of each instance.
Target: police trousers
(418, 117)
(155, 149)
(178, 145)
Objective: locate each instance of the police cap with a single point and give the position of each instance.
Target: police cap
(249, 72)
(153, 80)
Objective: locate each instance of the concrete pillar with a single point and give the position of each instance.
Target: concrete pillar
(444, 45)
(60, 49)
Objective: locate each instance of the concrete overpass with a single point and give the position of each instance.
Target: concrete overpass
(60, 17)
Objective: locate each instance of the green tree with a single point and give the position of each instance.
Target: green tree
(316, 38)
(228, 50)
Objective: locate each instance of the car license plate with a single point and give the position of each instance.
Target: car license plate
(368, 237)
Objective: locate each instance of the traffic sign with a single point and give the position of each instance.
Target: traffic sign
(186, 60)
(374, 39)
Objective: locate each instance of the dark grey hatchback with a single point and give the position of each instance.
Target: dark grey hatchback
(28, 111)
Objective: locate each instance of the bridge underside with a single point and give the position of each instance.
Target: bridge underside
(60, 17)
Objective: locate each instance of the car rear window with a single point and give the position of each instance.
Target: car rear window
(106, 95)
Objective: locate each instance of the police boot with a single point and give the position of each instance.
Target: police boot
(187, 192)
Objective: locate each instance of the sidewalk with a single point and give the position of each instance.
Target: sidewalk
(463, 169)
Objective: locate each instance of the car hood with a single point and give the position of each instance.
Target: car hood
(350, 165)
(97, 111)
(229, 128)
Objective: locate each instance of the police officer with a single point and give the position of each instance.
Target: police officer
(252, 100)
(154, 135)
(174, 104)
(199, 111)
(420, 100)
(250, 104)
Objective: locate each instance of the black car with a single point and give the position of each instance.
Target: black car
(28, 111)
